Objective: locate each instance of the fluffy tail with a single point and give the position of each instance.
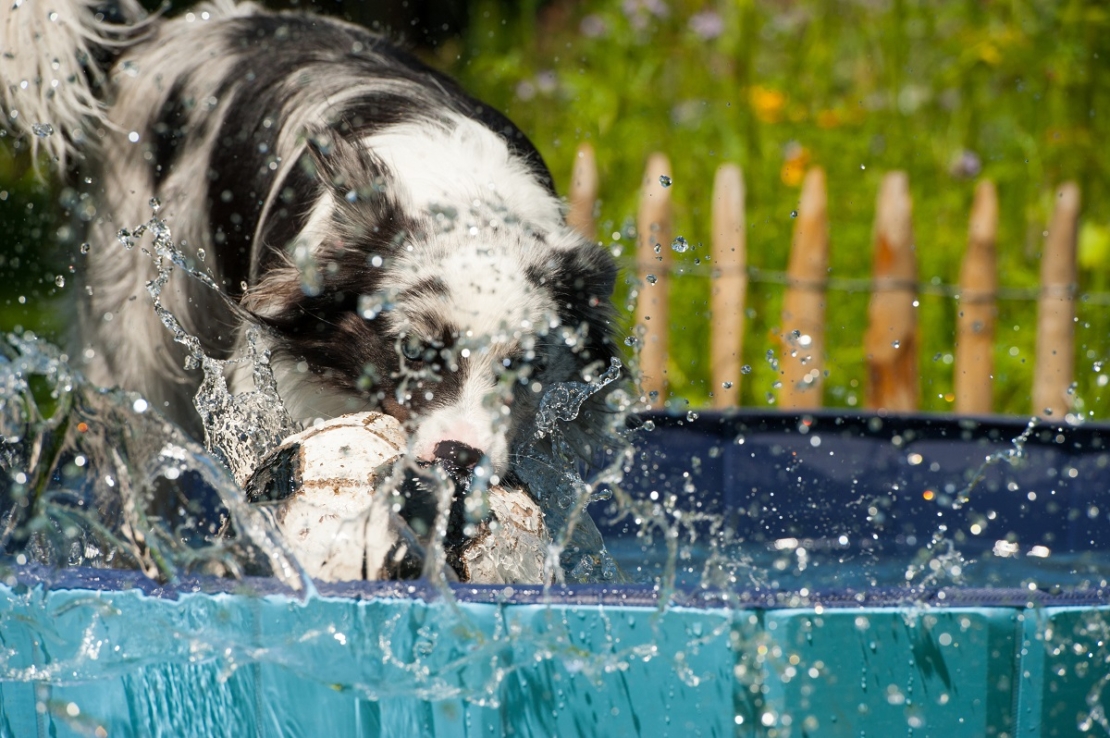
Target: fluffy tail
(52, 62)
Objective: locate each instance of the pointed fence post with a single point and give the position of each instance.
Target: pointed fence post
(977, 309)
(1055, 368)
(891, 340)
(730, 284)
(803, 307)
(653, 262)
(583, 192)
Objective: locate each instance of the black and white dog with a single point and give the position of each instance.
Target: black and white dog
(399, 242)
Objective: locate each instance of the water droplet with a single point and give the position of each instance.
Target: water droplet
(651, 279)
(664, 180)
(680, 245)
(85, 247)
(155, 204)
(42, 130)
(727, 385)
(746, 369)
(793, 213)
(631, 341)
(60, 280)
(896, 344)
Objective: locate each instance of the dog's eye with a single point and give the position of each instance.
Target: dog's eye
(412, 348)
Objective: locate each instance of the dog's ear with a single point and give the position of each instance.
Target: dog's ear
(588, 273)
(347, 168)
(582, 277)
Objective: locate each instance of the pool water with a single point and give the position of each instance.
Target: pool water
(826, 501)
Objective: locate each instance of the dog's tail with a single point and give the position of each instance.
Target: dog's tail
(53, 60)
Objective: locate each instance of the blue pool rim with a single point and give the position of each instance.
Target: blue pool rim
(24, 578)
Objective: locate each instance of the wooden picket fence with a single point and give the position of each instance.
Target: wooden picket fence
(890, 341)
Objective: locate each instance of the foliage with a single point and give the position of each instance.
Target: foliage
(31, 245)
(1015, 91)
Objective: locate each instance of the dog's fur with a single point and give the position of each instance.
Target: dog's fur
(399, 243)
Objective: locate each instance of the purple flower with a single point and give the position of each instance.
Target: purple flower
(547, 82)
(707, 25)
(658, 8)
(525, 90)
(639, 12)
(966, 165)
(593, 26)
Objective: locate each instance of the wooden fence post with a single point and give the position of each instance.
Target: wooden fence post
(730, 283)
(891, 340)
(583, 192)
(973, 379)
(1055, 366)
(803, 306)
(653, 261)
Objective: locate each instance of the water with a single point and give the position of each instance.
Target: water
(95, 478)
(820, 502)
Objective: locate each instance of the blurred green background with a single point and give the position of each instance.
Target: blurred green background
(1016, 91)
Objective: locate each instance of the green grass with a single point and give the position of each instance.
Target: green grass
(859, 88)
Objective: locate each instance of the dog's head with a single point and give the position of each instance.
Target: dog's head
(436, 282)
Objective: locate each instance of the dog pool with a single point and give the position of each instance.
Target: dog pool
(831, 575)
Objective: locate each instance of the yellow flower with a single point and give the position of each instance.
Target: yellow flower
(828, 119)
(767, 103)
(794, 165)
(989, 53)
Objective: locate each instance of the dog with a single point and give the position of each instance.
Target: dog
(396, 244)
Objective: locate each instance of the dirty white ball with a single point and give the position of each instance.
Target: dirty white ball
(322, 485)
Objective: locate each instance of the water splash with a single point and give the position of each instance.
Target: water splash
(240, 429)
(91, 477)
(940, 560)
(548, 465)
(1011, 456)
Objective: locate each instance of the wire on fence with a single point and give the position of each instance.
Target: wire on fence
(864, 284)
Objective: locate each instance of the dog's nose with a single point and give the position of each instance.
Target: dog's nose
(457, 455)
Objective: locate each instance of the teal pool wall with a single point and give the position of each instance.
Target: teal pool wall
(79, 662)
